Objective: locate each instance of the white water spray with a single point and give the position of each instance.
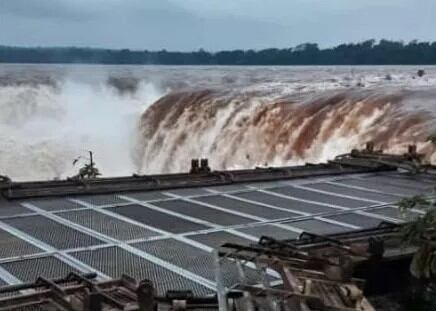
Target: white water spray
(43, 128)
(238, 117)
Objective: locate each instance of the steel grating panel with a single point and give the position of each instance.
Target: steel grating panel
(55, 204)
(52, 233)
(245, 207)
(147, 195)
(370, 195)
(194, 260)
(357, 220)
(182, 255)
(410, 183)
(383, 187)
(320, 197)
(218, 238)
(319, 227)
(12, 246)
(424, 179)
(284, 202)
(229, 188)
(29, 270)
(269, 230)
(203, 212)
(107, 225)
(8, 209)
(115, 262)
(187, 192)
(157, 219)
(266, 185)
(394, 212)
(102, 199)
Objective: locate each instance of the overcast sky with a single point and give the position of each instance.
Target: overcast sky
(212, 24)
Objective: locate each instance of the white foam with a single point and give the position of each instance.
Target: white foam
(44, 128)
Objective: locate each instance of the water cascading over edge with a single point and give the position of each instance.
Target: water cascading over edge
(240, 130)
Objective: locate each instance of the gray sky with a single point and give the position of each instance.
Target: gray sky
(212, 24)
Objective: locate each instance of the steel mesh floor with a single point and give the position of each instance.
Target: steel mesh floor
(115, 262)
(381, 197)
(55, 204)
(269, 230)
(52, 233)
(395, 213)
(285, 202)
(245, 207)
(424, 179)
(266, 184)
(203, 212)
(29, 270)
(409, 183)
(181, 254)
(157, 219)
(8, 209)
(216, 239)
(103, 199)
(194, 260)
(12, 246)
(108, 225)
(383, 187)
(357, 220)
(147, 196)
(37, 227)
(320, 227)
(188, 192)
(228, 188)
(320, 197)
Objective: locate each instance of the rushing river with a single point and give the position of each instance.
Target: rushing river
(154, 119)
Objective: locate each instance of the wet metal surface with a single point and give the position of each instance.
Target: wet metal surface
(167, 236)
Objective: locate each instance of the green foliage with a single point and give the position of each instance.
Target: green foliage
(421, 299)
(432, 138)
(89, 171)
(423, 264)
(414, 231)
(421, 232)
(368, 52)
(415, 201)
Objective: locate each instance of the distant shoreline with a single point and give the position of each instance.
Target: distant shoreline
(369, 53)
(229, 66)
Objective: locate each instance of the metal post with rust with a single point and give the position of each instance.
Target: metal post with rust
(370, 147)
(93, 302)
(146, 294)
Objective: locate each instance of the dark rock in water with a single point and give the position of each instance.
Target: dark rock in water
(33, 80)
(360, 84)
(123, 84)
(420, 73)
(388, 77)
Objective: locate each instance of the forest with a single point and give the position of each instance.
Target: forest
(370, 52)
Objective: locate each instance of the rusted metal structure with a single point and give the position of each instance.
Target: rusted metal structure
(315, 271)
(310, 273)
(84, 293)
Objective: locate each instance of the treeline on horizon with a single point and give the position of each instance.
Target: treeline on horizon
(370, 52)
